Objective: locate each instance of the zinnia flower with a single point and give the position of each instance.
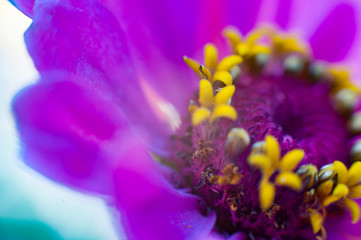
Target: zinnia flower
(264, 144)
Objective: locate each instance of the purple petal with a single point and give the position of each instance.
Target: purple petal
(94, 51)
(341, 227)
(283, 13)
(336, 34)
(69, 134)
(151, 208)
(25, 6)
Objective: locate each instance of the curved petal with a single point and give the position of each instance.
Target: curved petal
(69, 134)
(341, 228)
(25, 6)
(151, 208)
(335, 35)
(94, 51)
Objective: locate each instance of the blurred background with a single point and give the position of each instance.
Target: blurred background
(31, 206)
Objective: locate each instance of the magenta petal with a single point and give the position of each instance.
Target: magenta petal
(151, 208)
(25, 6)
(341, 227)
(93, 50)
(68, 134)
(336, 32)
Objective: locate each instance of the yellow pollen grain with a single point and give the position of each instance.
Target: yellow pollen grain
(224, 95)
(224, 111)
(210, 56)
(229, 62)
(205, 93)
(200, 115)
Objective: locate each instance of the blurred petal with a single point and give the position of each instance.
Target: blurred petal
(69, 134)
(341, 228)
(151, 208)
(25, 6)
(94, 51)
(335, 35)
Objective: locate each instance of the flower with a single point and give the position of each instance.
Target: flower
(105, 93)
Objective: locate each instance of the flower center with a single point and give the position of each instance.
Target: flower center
(267, 142)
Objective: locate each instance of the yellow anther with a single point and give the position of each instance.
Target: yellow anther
(341, 171)
(286, 44)
(324, 189)
(200, 115)
(340, 190)
(289, 179)
(224, 111)
(242, 49)
(210, 56)
(194, 65)
(223, 76)
(308, 174)
(259, 49)
(272, 149)
(330, 199)
(291, 159)
(266, 194)
(355, 192)
(205, 72)
(232, 35)
(224, 95)
(354, 174)
(229, 62)
(316, 220)
(253, 36)
(205, 93)
(261, 162)
(354, 209)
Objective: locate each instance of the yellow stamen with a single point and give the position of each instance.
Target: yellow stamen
(266, 195)
(194, 65)
(233, 36)
(242, 49)
(340, 190)
(210, 56)
(261, 162)
(205, 72)
(355, 192)
(200, 115)
(289, 179)
(291, 159)
(229, 62)
(205, 93)
(354, 209)
(225, 111)
(341, 171)
(324, 189)
(272, 149)
(224, 95)
(260, 49)
(316, 220)
(354, 174)
(223, 76)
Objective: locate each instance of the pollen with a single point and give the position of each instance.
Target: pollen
(260, 153)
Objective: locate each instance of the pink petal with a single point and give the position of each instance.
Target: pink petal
(151, 208)
(69, 134)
